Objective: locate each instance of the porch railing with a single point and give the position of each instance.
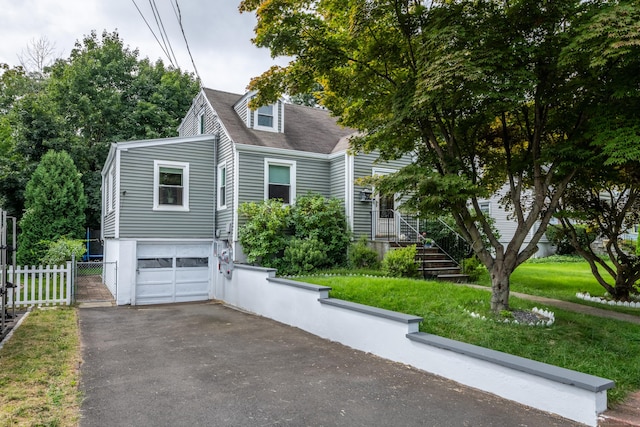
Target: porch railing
(401, 227)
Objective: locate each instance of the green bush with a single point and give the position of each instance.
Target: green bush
(314, 217)
(62, 251)
(401, 262)
(558, 236)
(638, 245)
(302, 256)
(472, 267)
(362, 256)
(313, 223)
(265, 235)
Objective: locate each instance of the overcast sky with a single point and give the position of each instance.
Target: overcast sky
(219, 36)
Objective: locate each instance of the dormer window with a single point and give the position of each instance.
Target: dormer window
(265, 116)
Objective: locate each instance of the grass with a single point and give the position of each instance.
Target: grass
(602, 347)
(39, 371)
(560, 278)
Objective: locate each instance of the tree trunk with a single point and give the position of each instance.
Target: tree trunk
(499, 287)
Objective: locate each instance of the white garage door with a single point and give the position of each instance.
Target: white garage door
(172, 273)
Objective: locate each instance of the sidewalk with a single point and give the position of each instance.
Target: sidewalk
(92, 292)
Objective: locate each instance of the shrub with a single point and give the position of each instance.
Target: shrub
(362, 256)
(302, 256)
(401, 262)
(638, 245)
(472, 267)
(560, 239)
(314, 217)
(62, 251)
(264, 236)
(313, 223)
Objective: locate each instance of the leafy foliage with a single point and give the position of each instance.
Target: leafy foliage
(265, 234)
(362, 256)
(303, 256)
(492, 98)
(311, 234)
(473, 268)
(102, 93)
(401, 262)
(559, 238)
(55, 203)
(63, 250)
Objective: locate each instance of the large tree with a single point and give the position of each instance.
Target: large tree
(477, 91)
(607, 197)
(102, 93)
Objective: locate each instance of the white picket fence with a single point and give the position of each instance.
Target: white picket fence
(41, 286)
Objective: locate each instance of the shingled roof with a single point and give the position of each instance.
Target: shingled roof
(305, 129)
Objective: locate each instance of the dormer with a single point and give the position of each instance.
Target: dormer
(268, 118)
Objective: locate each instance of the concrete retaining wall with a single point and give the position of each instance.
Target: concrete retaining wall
(395, 336)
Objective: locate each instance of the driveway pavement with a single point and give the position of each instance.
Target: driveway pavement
(209, 365)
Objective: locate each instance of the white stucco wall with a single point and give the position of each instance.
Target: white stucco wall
(395, 336)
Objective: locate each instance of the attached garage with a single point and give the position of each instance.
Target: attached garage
(169, 273)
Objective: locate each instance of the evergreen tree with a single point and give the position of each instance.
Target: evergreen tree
(55, 204)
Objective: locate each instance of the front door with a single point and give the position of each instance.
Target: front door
(384, 212)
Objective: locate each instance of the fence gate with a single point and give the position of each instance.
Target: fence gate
(95, 281)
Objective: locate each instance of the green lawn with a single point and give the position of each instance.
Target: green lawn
(606, 348)
(559, 280)
(39, 371)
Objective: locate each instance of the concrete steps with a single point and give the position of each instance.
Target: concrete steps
(435, 264)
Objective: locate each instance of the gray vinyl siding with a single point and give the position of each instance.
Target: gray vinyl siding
(190, 123)
(337, 177)
(137, 217)
(109, 218)
(225, 153)
(242, 109)
(312, 175)
(363, 166)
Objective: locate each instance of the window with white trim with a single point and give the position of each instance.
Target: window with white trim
(222, 185)
(485, 208)
(201, 123)
(266, 118)
(280, 180)
(112, 189)
(170, 186)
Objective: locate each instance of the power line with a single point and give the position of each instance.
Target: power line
(163, 31)
(184, 36)
(152, 32)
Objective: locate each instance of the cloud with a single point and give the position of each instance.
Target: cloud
(219, 36)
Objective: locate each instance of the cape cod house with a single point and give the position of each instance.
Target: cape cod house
(170, 205)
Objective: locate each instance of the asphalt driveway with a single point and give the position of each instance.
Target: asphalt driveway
(209, 365)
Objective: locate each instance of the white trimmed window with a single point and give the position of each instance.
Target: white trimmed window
(201, 123)
(485, 208)
(170, 186)
(266, 118)
(222, 185)
(280, 180)
(112, 189)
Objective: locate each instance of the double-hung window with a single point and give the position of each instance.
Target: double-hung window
(265, 116)
(222, 186)
(280, 180)
(171, 186)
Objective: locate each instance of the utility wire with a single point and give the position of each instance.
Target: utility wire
(152, 32)
(163, 31)
(176, 10)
